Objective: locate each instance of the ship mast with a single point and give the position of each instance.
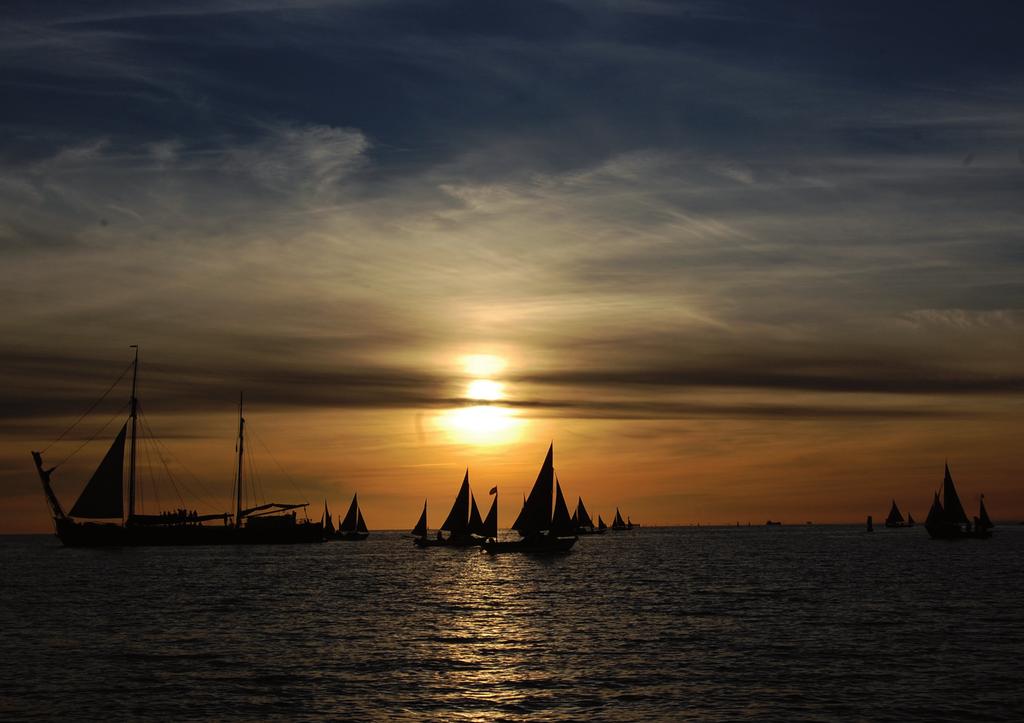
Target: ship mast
(241, 444)
(131, 456)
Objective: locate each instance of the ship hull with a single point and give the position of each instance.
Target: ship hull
(90, 534)
(537, 546)
(350, 536)
(447, 542)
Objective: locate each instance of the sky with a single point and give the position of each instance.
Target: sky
(736, 260)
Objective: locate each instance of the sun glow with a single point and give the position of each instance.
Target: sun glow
(482, 425)
(483, 365)
(485, 390)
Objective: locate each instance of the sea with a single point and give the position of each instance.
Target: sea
(809, 622)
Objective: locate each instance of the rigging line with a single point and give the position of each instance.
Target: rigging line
(287, 476)
(161, 449)
(98, 432)
(87, 411)
(156, 448)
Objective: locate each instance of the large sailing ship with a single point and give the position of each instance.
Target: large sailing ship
(542, 530)
(947, 519)
(99, 518)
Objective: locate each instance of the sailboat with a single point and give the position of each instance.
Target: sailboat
(947, 519)
(895, 518)
(582, 521)
(353, 527)
(619, 524)
(91, 520)
(542, 530)
(327, 523)
(464, 526)
(601, 526)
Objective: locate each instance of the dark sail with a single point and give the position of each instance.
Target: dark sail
(600, 523)
(936, 514)
(618, 522)
(361, 524)
(476, 525)
(351, 517)
(984, 523)
(420, 530)
(490, 528)
(519, 517)
(561, 523)
(328, 523)
(894, 517)
(457, 521)
(536, 515)
(582, 515)
(910, 520)
(575, 520)
(951, 501)
(103, 495)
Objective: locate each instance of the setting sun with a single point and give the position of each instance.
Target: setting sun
(485, 390)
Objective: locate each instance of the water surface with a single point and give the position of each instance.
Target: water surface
(782, 623)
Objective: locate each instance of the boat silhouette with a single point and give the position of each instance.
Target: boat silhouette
(542, 530)
(352, 528)
(89, 522)
(947, 519)
(464, 526)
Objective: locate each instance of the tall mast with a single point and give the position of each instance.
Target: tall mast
(131, 455)
(241, 444)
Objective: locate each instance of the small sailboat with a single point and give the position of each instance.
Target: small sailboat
(542, 530)
(947, 519)
(895, 518)
(353, 527)
(619, 524)
(327, 523)
(582, 521)
(910, 520)
(601, 526)
(464, 526)
(870, 525)
(420, 530)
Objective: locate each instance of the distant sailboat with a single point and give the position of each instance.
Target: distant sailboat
(352, 528)
(895, 518)
(947, 519)
(327, 523)
(542, 530)
(420, 530)
(619, 524)
(601, 526)
(582, 521)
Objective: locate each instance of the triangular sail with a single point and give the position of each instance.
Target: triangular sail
(910, 520)
(328, 524)
(536, 515)
(476, 525)
(361, 524)
(895, 517)
(935, 513)
(618, 521)
(582, 515)
(984, 523)
(490, 527)
(561, 523)
(420, 530)
(600, 523)
(103, 496)
(519, 517)
(457, 520)
(351, 520)
(951, 501)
